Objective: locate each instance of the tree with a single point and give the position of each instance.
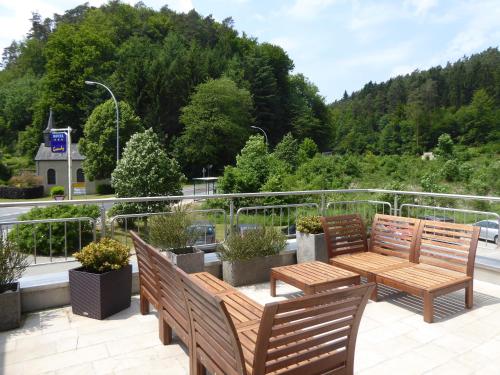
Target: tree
(217, 122)
(99, 141)
(145, 170)
(444, 147)
(287, 150)
(307, 150)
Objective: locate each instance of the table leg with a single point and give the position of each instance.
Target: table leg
(273, 285)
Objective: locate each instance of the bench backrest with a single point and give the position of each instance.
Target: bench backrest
(147, 279)
(448, 245)
(311, 335)
(171, 298)
(344, 234)
(394, 235)
(213, 336)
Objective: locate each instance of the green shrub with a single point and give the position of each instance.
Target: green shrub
(12, 263)
(57, 190)
(309, 224)
(253, 244)
(26, 235)
(170, 231)
(451, 170)
(103, 256)
(25, 179)
(104, 189)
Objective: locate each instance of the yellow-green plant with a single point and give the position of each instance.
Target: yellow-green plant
(103, 256)
(309, 224)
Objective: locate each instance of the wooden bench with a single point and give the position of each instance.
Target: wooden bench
(308, 335)
(162, 274)
(392, 243)
(313, 277)
(445, 256)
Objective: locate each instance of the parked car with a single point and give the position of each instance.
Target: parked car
(242, 228)
(444, 219)
(489, 230)
(204, 232)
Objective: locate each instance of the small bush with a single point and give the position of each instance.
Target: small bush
(309, 224)
(451, 170)
(12, 263)
(27, 235)
(104, 189)
(103, 256)
(13, 192)
(253, 244)
(170, 231)
(57, 190)
(25, 179)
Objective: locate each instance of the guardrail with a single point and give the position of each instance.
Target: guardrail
(316, 199)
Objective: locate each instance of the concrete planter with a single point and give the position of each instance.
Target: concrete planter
(188, 259)
(99, 295)
(10, 307)
(311, 247)
(254, 271)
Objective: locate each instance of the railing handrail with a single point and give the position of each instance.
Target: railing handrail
(247, 195)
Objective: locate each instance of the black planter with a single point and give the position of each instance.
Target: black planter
(99, 295)
(10, 307)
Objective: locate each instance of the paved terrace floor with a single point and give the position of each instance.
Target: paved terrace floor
(393, 339)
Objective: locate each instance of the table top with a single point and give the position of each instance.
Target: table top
(312, 273)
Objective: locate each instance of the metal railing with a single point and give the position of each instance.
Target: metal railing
(366, 208)
(312, 199)
(40, 235)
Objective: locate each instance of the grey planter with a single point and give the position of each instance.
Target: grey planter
(188, 259)
(311, 247)
(254, 271)
(10, 310)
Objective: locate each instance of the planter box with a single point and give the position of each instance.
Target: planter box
(188, 259)
(10, 310)
(254, 271)
(311, 247)
(99, 295)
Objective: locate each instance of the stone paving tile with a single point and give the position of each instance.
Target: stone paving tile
(393, 339)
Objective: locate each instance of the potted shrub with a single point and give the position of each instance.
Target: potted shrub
(57, 192)
(102, 286)
(12, 265)
(173, 234)
(248, 258)
(311, 244)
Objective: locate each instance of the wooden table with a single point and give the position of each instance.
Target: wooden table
(313, 277)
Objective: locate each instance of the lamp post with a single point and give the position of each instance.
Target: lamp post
(262, 130)
(117, 117)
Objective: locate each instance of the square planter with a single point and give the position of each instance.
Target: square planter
(311, 247)
(99, 295)
(10, 310)
(189, 259)
(254, 271)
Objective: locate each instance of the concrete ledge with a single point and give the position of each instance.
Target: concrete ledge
(487, 269)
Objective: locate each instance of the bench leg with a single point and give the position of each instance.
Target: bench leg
(372, 279)
(469, 296)
(273, 285)
(428, 308)
(197, 368)
(165, 331)
(144, 304)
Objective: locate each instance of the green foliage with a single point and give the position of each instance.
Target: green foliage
(287, 151)
(309, 224)
(104, 189)
(307, 150)
(57, 190)
(170, 231)
(103, 256)
(99, 141)
(216, 124)
(254, 243)
(12, 263)
(444, 147)
(26, 235)
(25, 179)
(145, 170)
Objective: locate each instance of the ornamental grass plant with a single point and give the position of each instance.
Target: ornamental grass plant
(309, 225)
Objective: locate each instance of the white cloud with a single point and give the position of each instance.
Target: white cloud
(287, 43)
(421, 7)
(384, 57)
(308, 9)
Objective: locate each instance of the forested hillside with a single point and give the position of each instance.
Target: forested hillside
(407, 114)
(201, 85)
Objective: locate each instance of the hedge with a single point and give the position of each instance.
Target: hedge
(25, 234)
(13, 192)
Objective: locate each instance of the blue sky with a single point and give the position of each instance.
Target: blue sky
(338, 44)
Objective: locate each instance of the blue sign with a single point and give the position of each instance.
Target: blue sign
(58, 142)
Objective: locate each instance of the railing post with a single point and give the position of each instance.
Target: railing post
(231, 216)
(395, 208)
(103, 221)
(323, 205)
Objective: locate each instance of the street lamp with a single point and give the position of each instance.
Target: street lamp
(262, 130)
(117, 117)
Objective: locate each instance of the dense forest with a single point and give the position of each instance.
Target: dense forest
(200, 85)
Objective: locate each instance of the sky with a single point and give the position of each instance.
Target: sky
(338, 44)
